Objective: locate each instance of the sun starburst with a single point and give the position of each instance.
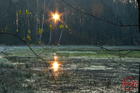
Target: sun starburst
(55, 16)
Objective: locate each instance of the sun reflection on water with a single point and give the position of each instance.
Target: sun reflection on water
(55, 66)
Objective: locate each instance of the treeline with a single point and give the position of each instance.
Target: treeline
(94, 30)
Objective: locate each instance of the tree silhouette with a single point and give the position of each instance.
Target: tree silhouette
(139, 12)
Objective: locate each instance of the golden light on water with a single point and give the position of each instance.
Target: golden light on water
(55, 66)
(55, 57)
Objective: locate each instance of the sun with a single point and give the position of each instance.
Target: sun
(56, 16)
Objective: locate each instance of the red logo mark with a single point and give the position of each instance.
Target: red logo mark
(131, 84)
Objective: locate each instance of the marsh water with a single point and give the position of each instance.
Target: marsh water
(84, 69)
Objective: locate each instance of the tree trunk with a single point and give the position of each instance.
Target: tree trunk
(139, 13)
(139, 33)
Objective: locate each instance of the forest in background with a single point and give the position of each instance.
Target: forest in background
(94, 30)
